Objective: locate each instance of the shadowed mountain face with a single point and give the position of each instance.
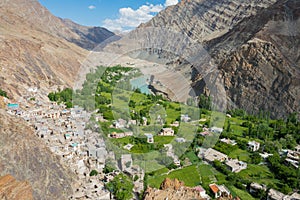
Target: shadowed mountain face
(26, 158)
(90, 37)
(254, 46)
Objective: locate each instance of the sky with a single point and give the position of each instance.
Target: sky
(115, 15)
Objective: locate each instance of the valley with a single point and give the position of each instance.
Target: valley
(202, 101)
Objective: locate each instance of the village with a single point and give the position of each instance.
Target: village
(83, 150)
(99, 147)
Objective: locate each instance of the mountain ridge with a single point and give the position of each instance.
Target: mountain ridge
(40, 50)
(251, 45)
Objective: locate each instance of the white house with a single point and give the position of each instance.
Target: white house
(235, 165)
(253, 145)
(228, 141)
(201, 191)
(210, 155)
(166, 132)
(216, 130)
(275, 195)
(150, 138)
(219, 190)
(255, 187)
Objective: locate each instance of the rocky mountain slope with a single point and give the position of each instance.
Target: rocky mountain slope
(26, 158)
(12, 189)
(90, 37)
(172, 189)
(38, 49)
(254, 46)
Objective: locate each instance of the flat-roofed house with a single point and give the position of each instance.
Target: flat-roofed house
(255, 188)
(275, 195)
(253, 145)
(201, 191)
(150, 138)
(166, 132)
(235, 165)
(211, 155)
(216, 129)
(219, 190)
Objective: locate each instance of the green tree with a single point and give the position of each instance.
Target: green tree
(121, 187)
(3, 93)
(108, 168)
(94, 172)
(255, 158)
(164, 160)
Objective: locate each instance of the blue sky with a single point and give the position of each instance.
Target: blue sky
(116, 15)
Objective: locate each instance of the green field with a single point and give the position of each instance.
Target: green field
(242, 194)
(258, 173)
(240, 154)
(189, 175)
(148, 161)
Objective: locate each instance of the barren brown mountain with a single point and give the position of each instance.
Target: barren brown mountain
(12, 189)
(253, 44)
(38, 49)
(25, 157)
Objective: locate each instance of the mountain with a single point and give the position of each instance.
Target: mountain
(12, 189)
(37, 50)
(25, 157)
(40, 50)
(251, 46)
(90, 37)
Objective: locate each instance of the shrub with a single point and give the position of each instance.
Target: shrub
(94, 172)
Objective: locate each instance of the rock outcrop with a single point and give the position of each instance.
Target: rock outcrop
(26, 158)
(172, 189)
(254, 46)
(11, 189)
(171, 184)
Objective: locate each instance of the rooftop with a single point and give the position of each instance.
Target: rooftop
(214, 188)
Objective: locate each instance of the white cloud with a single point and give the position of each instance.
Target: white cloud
(130, 18)
(92, 7)
(171, 2)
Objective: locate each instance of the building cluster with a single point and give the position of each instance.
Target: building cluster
(219, 190)
(293, 157)
(276, 195)
(64, 132)
(210, 155)
(228, 141)
(133, 171)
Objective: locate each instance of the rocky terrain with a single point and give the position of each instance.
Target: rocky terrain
(90, 37)
(253, 45)
(173, 190)
(40, 50)
(12, 189)
(26, 158)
